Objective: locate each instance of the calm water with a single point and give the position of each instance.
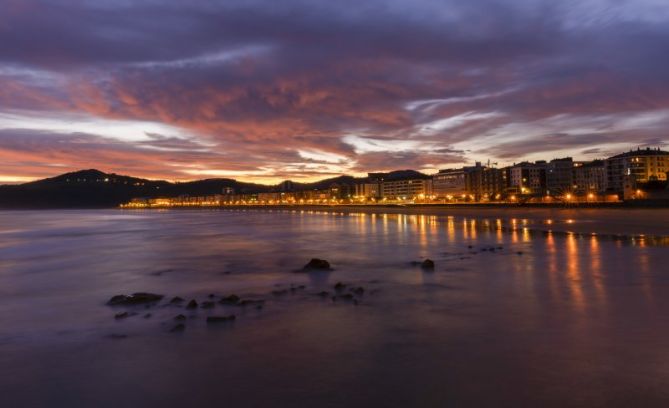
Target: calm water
(575, 320)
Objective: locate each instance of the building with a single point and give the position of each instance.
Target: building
(642, 165)
(406, 185)
(527, 178)
(589, 177)
(560, 176)
(484, 183)
(368, 190)
(449, 183)
(370, 187)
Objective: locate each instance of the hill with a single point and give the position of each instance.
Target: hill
(95, 189)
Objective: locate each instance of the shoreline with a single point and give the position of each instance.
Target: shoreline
(616, 222)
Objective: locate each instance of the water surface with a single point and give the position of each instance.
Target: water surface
(550, 319)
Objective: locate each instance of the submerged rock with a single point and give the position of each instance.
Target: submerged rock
(250, 302)
(176, 300)
(317, 264)
(178, 328)
(121, 315)
(324, 294)
(230, 300)
(279, 292)
(339, 286)
(134, 299)
(221, 319)
(427, 264)
(208, 304)
(359, 291)
(180, 317)
(192, 304)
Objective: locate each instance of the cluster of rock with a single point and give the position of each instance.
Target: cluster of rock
(149, 300)
(340, 291)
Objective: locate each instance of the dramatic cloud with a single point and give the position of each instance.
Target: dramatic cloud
(264, 90)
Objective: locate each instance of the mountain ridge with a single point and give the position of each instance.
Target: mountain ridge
(92, 188)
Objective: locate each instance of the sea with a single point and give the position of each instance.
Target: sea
(523, 308)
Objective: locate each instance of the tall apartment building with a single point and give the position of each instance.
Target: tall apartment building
(449, 183)
(371, 187)
(409, 188)
(527, 178)
(641, 165)
(560, 176)
(589, 177)
(484, 183)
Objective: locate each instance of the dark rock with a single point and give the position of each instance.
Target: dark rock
(427, 264)
(176, 300)
(323, 293)
(359, 291)
(500, 247)
(230, 300)
(207, 304)
(470, 246)
(519, 252)
(148, 316)
(317, 264)
(134, 299)
(122, 315)
(211, 296)
(221, 319)
(346, 296)
(116, 336)
(178, 328)
(192, 304)
(279, 292)
(180, 317)
(339, 286)
(250, 302)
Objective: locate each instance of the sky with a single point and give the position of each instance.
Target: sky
(267, 90)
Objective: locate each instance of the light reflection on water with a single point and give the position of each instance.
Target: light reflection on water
(528, 324)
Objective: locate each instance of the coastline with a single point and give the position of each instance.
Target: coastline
(619, 221)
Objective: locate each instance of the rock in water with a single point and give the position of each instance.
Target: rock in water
(427, 264)
(220, 319)
(134, 299)
(176, 300)
(207, 304)
(192, 304)
(229, 300)
(317, 265)
(178, 328)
